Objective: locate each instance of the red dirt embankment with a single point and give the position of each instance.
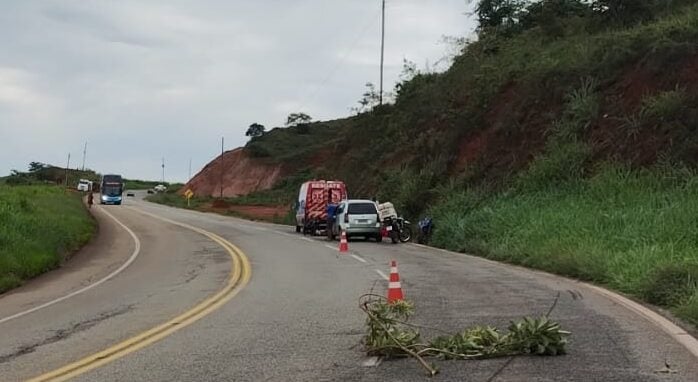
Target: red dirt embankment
(242, 174)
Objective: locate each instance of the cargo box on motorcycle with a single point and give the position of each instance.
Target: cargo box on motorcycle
(386, 210)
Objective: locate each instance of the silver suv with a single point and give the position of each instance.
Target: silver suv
(356, 218)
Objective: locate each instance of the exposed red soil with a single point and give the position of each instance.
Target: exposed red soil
(613, 136)
(470, 149)
(242, 174)
(688, 76)
(321, 158)
(220, 203)
(515, 133)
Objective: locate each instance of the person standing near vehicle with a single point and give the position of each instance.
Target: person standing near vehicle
(90, 199)
(331, 217)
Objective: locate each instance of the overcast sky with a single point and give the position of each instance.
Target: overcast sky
(139, 80)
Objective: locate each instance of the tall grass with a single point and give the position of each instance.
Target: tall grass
(39, 227)
(634, 231)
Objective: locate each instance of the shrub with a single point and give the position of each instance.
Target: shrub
(672, 284)
(664, 105)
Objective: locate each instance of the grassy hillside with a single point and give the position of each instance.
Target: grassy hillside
(634, 231)
(491, 113)
(41, 225)
(564, 139)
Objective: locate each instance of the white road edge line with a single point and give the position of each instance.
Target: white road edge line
(361, 259)
(330, 247)
(383, 275)
(123, 266)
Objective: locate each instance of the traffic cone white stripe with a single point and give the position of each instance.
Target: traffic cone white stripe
(394, 287)
(343, 244)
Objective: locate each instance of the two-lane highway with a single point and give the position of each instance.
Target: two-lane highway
(297, 319)
(123, 283)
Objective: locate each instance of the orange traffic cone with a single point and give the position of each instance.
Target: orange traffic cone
(394, 287)
(343, 245)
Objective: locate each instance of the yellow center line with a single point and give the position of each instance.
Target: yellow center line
(240, 274)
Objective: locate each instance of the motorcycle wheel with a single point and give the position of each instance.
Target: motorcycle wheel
(405, 235)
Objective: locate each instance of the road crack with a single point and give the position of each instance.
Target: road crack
(61, 334)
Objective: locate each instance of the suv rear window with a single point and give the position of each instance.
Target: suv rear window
(362, 209)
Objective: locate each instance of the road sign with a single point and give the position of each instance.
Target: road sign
(188, 194)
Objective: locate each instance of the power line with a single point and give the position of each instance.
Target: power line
(340, 61)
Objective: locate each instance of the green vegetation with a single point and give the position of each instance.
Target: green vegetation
(41, 173)
(388, 334)
(41, 226)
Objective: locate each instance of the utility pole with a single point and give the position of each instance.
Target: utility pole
(380, 94)
(221, 178)
(163, 170)
(84, 155)
(67, 166)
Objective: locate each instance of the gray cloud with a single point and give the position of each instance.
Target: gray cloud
(141, 80)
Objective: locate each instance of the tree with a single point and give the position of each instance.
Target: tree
(37, 166)
(624, 11)
(298, 119)
(255, 130)
(552, 16)
(498, 14)
(368, 100)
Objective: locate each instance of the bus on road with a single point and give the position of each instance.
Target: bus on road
(111, 189)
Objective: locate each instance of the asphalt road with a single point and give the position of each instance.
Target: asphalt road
(298, 318)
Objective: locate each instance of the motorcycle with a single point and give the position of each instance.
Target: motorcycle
(426, 227)
(399, 229)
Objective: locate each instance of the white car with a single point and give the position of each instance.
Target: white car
(160, 188)
(84, 185)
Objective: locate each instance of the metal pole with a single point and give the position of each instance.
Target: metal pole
(163, 170)
(221, 178)
(380, 94)
(67, 166)
(84, 155)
